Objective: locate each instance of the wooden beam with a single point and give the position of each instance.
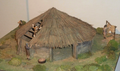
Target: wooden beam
(30, 37)
(75, 54)
(51, 54)
(31, 31)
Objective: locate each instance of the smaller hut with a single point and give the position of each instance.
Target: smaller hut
(59, 30)
(109, 30)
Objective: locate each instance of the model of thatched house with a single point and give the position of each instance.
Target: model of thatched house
(59, 30)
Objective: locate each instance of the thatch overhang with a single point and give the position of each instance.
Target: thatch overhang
(59, 29)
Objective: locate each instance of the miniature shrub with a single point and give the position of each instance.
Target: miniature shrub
(104, 68)
(101, 59)
(90, 67)
(24, 22)
(113, 45)
(78, 68)
(73, 69)
(84, 55)
(111, 55)
(99, 70)
(39, 68)
(15, 61)
(93, 68)
(110, 49)
(99, 31)
(63, 68)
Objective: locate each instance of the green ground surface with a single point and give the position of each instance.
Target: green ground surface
(8, 51)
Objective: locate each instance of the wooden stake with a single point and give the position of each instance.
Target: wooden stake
(51, 54)
(75, 54)
(114, 32)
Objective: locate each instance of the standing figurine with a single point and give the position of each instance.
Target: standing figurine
(27, 48)
(35, 29)
(20, 23)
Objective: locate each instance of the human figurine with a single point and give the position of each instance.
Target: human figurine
(20, 23)
(27, 48)
(35, 29)
(40, 26)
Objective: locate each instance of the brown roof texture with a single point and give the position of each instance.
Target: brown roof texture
(59, 29)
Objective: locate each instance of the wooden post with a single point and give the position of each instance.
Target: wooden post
(51, 54)
(19, 46)
(75, 54)
(114, 32)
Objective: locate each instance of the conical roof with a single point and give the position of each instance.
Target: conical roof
(59, 29)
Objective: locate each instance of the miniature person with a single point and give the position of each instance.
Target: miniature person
(40, 26)
(27, 48)
(35, 29)
(20, 23)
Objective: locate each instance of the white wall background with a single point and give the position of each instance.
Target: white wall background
(11, 11)
(95, 12)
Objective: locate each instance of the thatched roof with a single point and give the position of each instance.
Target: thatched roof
(59, 29)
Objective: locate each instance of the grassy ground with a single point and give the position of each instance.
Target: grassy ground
(8, 52)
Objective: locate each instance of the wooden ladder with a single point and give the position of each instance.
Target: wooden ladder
(30, 32)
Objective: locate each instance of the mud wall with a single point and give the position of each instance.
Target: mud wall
(84, 47)
(43, 52)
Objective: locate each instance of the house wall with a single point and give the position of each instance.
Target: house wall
(84, 47)
(58, 53)
(41, 52)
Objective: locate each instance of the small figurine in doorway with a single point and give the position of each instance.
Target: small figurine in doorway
(27, 48)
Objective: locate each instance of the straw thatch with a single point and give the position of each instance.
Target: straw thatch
(59, 29)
